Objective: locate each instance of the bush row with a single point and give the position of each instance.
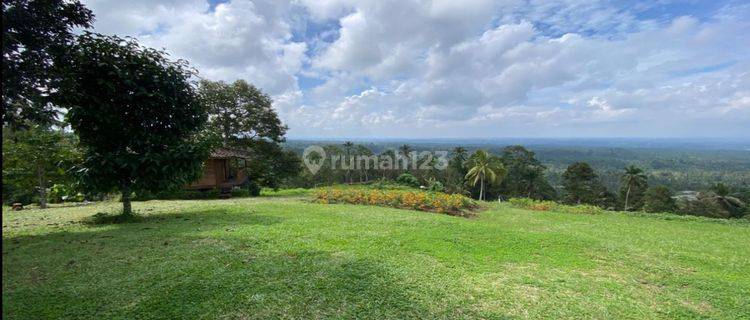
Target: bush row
(452, 204)
(182, 194)
(546, 205)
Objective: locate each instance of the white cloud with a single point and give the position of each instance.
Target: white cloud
(480, 68)
(239, 39)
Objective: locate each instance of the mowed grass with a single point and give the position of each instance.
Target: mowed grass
(278, 257)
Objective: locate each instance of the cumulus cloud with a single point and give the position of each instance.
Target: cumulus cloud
(469, 68)
(239, 39)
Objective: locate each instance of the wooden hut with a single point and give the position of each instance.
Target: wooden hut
(224, 169)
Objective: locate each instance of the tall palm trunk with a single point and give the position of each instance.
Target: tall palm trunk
(481, 189)
(627, 195)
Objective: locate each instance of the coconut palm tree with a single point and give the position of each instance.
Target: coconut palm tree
(632, 178)
(484, 167)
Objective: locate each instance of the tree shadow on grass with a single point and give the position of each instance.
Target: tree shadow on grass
(210, 215)
(190, 265)
(213, 283)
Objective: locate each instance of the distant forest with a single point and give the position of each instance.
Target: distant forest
(678, 165)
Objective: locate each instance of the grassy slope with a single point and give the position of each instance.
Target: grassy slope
(282, 257)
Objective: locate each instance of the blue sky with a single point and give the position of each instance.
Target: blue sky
(475, 68)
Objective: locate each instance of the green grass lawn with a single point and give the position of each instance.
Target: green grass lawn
(281, 257)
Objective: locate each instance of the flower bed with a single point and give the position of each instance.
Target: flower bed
(452, 204)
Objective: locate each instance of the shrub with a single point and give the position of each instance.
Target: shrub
(179, 194)
(435, 186)
(240, 193)
(659, 199)
(253, 189)
(61, 193)
(408, 180)
(545, 205)
(712, 205)
(452, 204)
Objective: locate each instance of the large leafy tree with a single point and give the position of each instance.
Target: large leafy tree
(34, 158)
(240, 113)
(484, 168)
(271, 164)
(136, 114)
(525, 175)
(633, 185)
(582, 185)
(35, 33)
(659, 199)
(244, 118)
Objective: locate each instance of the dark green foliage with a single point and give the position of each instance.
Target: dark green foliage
(435, 186)
(65, 192)
(407, 179)
(704, 205)
(405, 151)
(34, 159)
(734, 207)
(456, 171)
(249, 190)
(659, 199)
(711, 204)
(525, 175)
(606, 199)
(271, 165)
(35, 33)
(721, 189)
(457, 162)
(136, 114)
(252, 188)
(240, 112)
(676, 167)
(582, 185)
(177, 193)
(243, 117)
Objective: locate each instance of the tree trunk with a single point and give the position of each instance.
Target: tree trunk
(42, 187)
(627, 195)
(126, 207)
(226, 132)
(481, 189)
